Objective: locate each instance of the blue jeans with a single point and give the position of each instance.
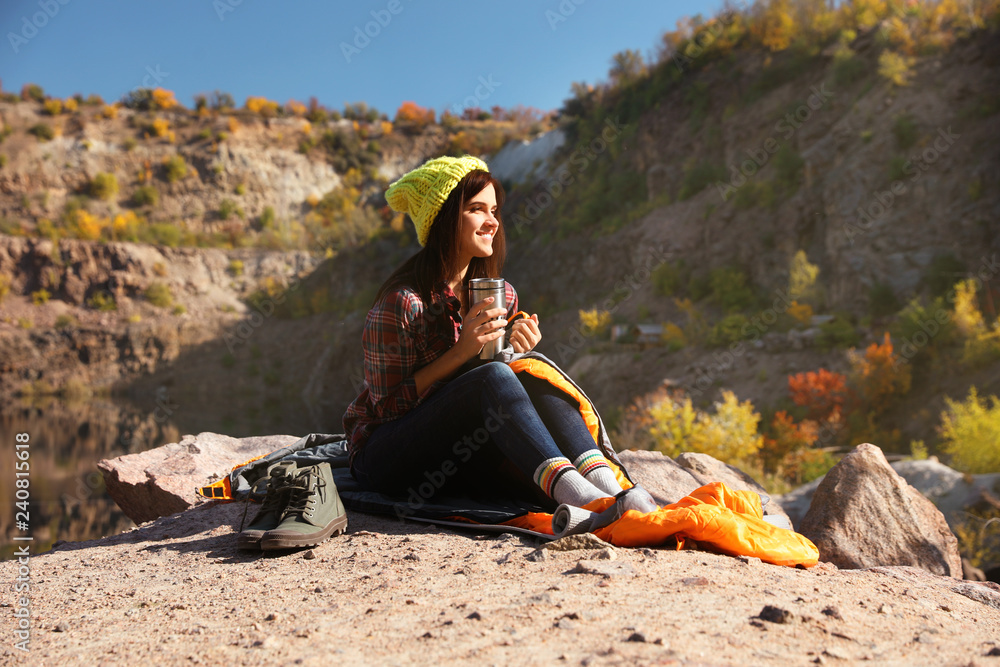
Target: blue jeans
(482, 434)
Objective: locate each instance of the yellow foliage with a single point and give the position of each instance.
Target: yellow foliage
(802, 275)
(802, 312)
(204, 112)
(895, 67)
(312, 200)
(262, 106)
(163, 99)
(982, 342)
(696, 327)
(109, 111)
(70, 105)
(673, 335)
(233, 124)
(89, 226)
(160, 127)
(386, 127)
(776, 27)
(53, 107)
(595, 322)
(971, 431)
(729, 435)
(295, 108)
(306, 127)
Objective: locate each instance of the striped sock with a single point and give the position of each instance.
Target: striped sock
(595, 469)
(560, 480)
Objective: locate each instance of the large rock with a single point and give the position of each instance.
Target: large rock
(951, 491)
(668, 480)
(162, 481)
(863, 514)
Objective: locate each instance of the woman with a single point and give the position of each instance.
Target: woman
(428, 415)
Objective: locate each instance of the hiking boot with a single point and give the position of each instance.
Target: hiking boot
(314, 511)
(272, 507)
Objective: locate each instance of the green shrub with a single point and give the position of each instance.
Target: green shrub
(103, 186)
(25, 323)
(897, 168)
(32, 91)
(882, 300)
(922, 329)
(728, 330)
(241, 189)
(227, 208)
(176, 168)
(838, 332)
(267, 217)
(146, 195)
(165, 233)
(65, 321)
(666, 279)
(42, 131)
(754, 194)
(236, 267)
(971, 430)
(904, 129)
(698, 177)
(103, 301)
(40, 297)
(159, 295)
(730, 289)
(5, 283)
(129, 144)
(847, 69)
(205, 133)
(3, 160)
(788, 166)
(179, 310)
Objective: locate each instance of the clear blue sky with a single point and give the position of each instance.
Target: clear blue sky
(431, 52)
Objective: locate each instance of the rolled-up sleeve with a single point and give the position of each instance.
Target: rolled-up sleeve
(391, 355)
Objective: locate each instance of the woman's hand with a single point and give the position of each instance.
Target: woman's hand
(479, 326)
(524, 334)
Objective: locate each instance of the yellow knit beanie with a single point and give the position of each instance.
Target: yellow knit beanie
(422, 192)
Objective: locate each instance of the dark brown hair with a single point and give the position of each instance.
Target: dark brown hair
(438, 259)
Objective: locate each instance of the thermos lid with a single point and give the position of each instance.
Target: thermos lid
(486, 284)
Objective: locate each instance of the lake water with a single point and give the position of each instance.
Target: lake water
(67, 499)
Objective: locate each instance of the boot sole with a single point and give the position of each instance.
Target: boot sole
(249, 542)
(292, 541)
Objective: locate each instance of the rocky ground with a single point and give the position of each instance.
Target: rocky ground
(403, 593)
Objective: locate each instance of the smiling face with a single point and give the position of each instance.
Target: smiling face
(479, 225)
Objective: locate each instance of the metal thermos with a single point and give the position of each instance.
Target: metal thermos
(479, 289)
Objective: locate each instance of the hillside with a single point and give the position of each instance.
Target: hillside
(697, 190)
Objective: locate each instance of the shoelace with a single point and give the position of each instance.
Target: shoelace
(275, 485)
(301, 498)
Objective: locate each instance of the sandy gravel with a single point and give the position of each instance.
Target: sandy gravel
(176, 590)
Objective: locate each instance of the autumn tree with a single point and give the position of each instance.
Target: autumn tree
(413, 118)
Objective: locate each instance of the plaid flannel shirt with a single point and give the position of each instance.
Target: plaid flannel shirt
(403, 334)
